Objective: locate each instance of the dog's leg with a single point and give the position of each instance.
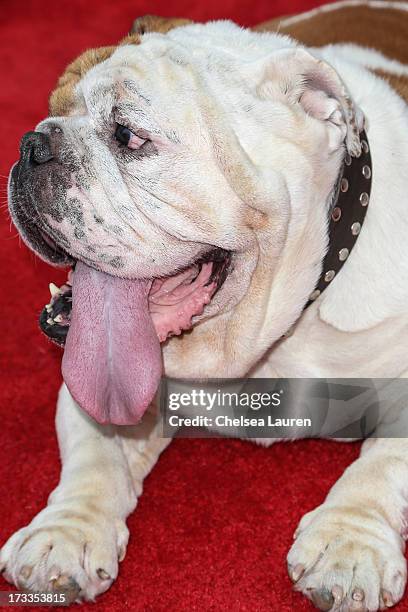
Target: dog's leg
(75, 543)
(348, 553)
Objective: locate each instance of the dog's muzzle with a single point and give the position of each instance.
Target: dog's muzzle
(28, 184)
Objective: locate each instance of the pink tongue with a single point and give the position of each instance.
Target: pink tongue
(112, 360)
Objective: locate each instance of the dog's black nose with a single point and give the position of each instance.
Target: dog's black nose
(35, 148)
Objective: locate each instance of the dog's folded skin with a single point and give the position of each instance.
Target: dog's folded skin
(219, 201)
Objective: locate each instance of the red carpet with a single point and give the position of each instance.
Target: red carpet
(216, 518)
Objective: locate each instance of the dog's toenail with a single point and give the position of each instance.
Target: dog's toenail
(68, 586)
(337, 593)
(387, 598)
(297, 572)
(358, 595)
(102, 574)
(62, 582)
(322, 599)
(26, 571)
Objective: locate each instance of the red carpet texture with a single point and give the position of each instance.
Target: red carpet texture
(216, 518)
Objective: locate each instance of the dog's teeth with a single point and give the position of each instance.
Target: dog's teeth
(48, 307)
(50, 321)
(58, 319)
(54, 290)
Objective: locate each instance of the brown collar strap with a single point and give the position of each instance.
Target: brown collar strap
(347, 215)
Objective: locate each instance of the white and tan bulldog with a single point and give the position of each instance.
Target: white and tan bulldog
(189, 172)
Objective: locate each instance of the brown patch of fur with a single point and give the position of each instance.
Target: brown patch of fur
(397, 82)
(62, 99)
(386, 29)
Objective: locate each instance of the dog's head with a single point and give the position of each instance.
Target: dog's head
(187, 174)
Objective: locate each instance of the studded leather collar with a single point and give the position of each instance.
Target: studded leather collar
(347, 215)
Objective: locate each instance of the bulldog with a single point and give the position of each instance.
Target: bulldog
(191, 174)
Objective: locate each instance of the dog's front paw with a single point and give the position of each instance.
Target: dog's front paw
(347, 559)
(71, 551)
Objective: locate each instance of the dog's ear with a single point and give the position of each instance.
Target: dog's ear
(152, 23)
(313, 85)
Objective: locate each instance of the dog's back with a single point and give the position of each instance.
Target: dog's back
(382, 26)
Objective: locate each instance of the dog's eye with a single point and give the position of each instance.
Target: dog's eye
(128, 138)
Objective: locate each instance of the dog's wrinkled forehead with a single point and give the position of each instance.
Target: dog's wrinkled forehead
(134, 71)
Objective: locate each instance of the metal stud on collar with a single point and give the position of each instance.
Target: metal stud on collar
(343, 254)
(344, 185)
(336, 214)
(364, 199)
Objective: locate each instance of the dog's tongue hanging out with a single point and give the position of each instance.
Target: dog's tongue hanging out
(112, 361)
